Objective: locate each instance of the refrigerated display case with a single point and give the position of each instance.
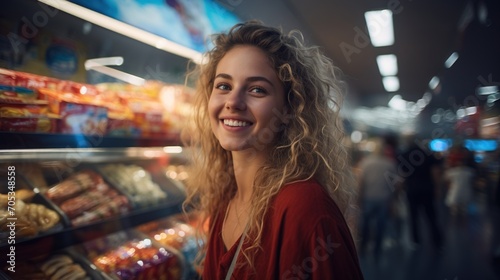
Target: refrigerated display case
(44, 169)
(40, 40)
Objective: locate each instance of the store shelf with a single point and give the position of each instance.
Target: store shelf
(47, 243)
(17, 140)
(52, 241)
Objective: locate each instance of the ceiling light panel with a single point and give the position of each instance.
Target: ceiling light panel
(380, 27)
(391, 83)
(387, 64)
(451, 60)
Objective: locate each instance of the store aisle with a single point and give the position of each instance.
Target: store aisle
(470, 245)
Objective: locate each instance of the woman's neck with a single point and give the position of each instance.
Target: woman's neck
(246, 164)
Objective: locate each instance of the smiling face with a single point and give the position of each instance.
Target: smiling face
(246, 99)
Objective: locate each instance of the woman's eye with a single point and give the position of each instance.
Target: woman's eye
(222, 87)
(258, 90)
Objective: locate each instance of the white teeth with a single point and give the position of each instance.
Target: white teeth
(235, 123)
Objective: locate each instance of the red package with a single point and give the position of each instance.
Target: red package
(29, 124)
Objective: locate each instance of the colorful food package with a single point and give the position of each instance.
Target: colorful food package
(37, 108)
(30, 124)
(77, 117)
(148, 115)
(85, 197)
(83, 119)
(174, 233)
(127, 255)
(120, 118)
(13, 94)
(27, 80)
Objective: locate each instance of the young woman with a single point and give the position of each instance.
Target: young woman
(270, 173)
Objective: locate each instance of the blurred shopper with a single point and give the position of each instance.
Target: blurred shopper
(377, 181)
(421, 170)
(271, 173)
(459, 177)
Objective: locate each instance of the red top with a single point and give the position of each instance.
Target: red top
(305, 237)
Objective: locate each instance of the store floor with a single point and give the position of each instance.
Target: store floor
(471, 250)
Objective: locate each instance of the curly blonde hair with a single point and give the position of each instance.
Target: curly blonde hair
(310, 143)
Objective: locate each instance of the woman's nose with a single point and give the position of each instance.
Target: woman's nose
(236, 100)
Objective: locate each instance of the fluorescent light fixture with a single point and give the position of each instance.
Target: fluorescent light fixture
(387, 64)
(391, 83)
(451, 60)
(380, 27)
(434, 82)
(125, 29)
(99, 65)
(487, 90)
(103, 61)
(120, 75)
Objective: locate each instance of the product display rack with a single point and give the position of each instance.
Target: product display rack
(72, 151)
(53, 241)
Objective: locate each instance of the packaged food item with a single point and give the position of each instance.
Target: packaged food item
(32, 217)
(27, 80)
(122, 127)
(85, 197)
(29, 124)
(76, 117)
(13, 94)
(32, 109)
(60, 265)
(136, 182)
(148, 115)
(172, 232)
(125, 255)
(7, 77)
(120, 117)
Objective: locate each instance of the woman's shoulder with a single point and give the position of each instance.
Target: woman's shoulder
(305, 197)
(298, 189)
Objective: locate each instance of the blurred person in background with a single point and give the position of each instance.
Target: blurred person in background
(459, 178)
(377, 183)
(421, 172)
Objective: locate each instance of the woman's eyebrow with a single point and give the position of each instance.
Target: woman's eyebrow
(224, 76)
(249, 79)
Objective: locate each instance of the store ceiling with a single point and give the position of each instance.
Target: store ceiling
(426, 33)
